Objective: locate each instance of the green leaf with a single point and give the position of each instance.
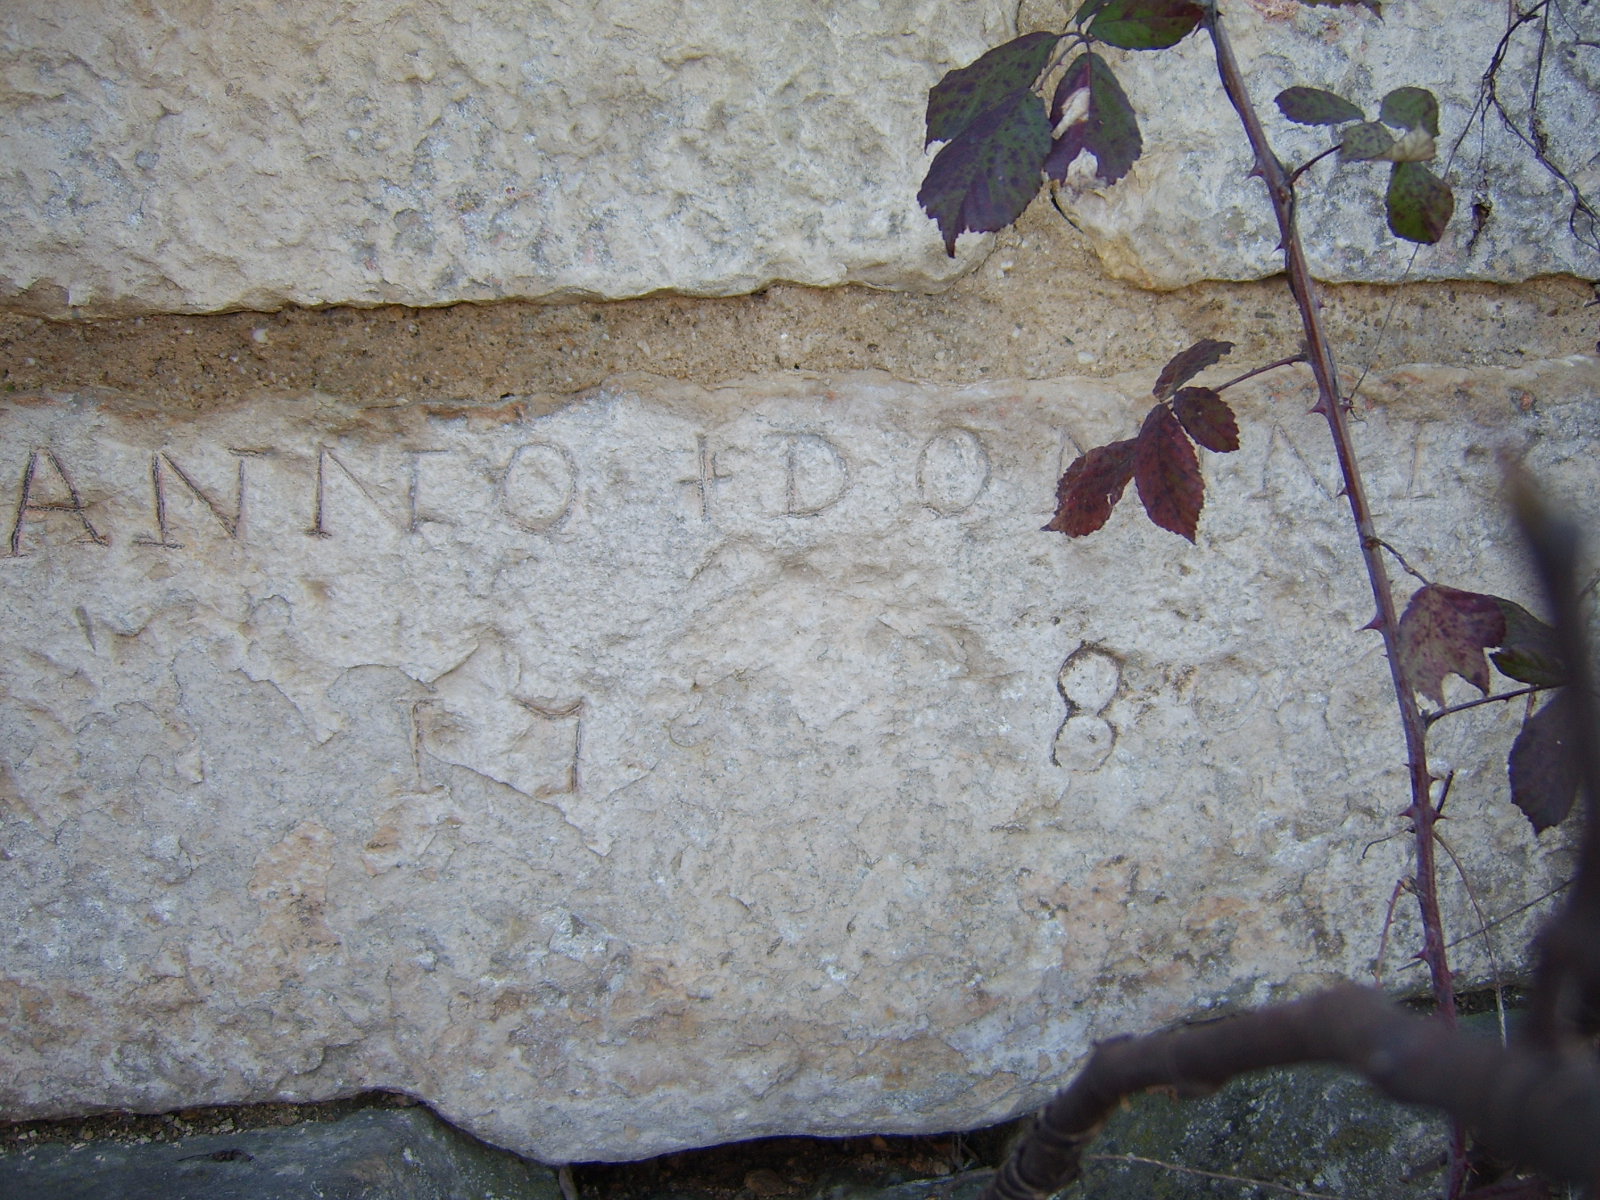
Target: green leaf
(1186, 364)
(1411, 108)
(1529, 653)
(1108, 128)
(1364, 141)
(1543, 768)
(966, 94)
(1420, 204)
(1145, 24)
(1087, 10)
(983, 180)
(1313, 106)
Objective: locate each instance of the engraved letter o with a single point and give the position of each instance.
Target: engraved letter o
(952, 471)
(539, 486)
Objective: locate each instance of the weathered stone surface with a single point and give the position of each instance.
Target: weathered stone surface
(1189, 209)
(483, 149)
(674, 766)
(253, 156)
(377, 1154)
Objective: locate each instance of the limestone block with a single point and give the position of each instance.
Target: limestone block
(483, 149)
(671, 766)
(1189, 210)
(255, 154)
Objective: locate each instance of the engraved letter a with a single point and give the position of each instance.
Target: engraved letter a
(27, 503)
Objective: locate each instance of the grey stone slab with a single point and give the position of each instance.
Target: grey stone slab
(403, 1154)
(671, 766)
(456, 150)
(472, 150)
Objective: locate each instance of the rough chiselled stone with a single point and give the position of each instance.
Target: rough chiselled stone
(1190, 210)
(672, 766)
(483, 149)
(257, 155)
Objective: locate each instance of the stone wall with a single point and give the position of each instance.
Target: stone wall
(639, 724)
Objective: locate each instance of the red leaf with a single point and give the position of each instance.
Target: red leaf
(1187, 364)
(1206, 417)
(1167, 473)
(1445, 631)
(1544, 772)
(1091, 488)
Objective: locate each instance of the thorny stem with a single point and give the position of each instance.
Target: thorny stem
(1421, 812)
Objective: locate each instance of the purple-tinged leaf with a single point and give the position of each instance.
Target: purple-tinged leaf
(1445, 631)
(1107, 129)
(1411, 108)
(1206, 417)
(964, 95)
(1365, 141)
(983, 180)
(1186, 364)
(1145, 24)
(1543, 767)
(1091, 488)
(1167, 473)
(1420, 204)
(1529, 653)
(1313, 106)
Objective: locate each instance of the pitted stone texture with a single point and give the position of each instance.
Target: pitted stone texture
(255, 155)
(1189, 210)
(671, 766)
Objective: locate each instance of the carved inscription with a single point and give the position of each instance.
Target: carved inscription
(163, 465)
(1089, 680)
(539, 486)
(554, 712)
(816, 474)
(532, 746)
(537, 490)
(706, 477)
(952, 471)
(41, 497)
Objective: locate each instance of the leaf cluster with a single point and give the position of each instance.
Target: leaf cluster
(1445, 631)
(1419, 204)
(1161, 461)
(1007, 130)
(1002, 138)
(1021, 116)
